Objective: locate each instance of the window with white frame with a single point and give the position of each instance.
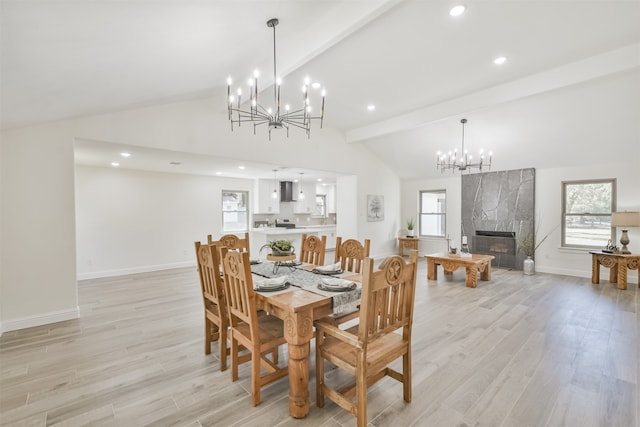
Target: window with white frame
(433, 212)
(586, 213)
(235, 212)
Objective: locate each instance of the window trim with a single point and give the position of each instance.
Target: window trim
(248, 211)
(443, 214)
(563, 213)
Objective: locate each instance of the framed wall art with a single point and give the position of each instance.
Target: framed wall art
(375, 208)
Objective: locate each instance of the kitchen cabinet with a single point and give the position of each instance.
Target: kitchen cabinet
(308, 203)
(329, 190)
(263, 200)
(330, 232)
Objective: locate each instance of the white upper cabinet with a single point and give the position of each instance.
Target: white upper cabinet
(263, 200)
(307, 204)
(329, 191)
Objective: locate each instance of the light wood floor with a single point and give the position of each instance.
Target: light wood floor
(539, 350)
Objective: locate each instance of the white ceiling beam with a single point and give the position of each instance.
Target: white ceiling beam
(615, 61)
(340, 23)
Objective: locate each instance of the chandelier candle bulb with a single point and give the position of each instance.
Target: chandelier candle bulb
(465, 162)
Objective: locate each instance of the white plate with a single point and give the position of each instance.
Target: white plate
(336, 285)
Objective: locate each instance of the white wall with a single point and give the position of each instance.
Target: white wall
(1, 232)
(595, 130)
(131, 221)
(550, 257)
(38, 281)
(38, 223)
(411, 208)
(346, 200)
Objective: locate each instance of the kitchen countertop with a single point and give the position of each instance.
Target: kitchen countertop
(297, 230)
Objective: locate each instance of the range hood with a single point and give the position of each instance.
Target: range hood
(286, 191)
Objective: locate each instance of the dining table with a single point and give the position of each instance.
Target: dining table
(299, 306)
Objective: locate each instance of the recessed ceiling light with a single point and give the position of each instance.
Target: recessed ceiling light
(371, 107)
(218, 173)
(500, 60)
(115, 164)
(240, 167)
(457, 10)
(125, 154)
(315, 85)
(319, 180)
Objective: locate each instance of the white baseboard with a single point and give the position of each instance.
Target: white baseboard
(632, 276)
(563, 271)
(39, 319)
(134, 270)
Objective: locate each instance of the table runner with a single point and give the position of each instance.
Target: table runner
(343, 302)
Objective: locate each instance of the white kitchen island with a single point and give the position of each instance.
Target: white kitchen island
(260, 236)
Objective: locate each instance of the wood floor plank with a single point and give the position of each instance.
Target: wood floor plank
(541, 350)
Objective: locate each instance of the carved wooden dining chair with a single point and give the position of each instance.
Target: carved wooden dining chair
(351, 254)
(232, 242)
(312, 249)
(366, 350)
(216, 319)
(259, 334)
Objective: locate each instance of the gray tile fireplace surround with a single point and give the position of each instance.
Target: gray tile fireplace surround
(500, 202)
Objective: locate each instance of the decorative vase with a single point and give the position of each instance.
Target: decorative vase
(409, 233)
(529, 266)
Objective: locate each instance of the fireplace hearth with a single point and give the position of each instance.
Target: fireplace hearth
(500, 244)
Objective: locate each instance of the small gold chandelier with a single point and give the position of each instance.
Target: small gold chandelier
(273, 116)
(463, 163)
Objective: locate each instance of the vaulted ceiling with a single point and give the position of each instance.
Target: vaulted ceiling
(422, 68)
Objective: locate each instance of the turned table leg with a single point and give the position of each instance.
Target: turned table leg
(622, 274)
(298, 333)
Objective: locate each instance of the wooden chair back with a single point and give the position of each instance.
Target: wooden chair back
(351, 254)
(367, 350)
(261, 335)
(387, 298)
(232, 242)
(215, 307)
(312, 249)
(239, 293)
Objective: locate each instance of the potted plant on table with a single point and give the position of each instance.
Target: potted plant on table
(410, 227)
(279, 247)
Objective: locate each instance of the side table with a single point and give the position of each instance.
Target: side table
(617, 264)
(407, 242)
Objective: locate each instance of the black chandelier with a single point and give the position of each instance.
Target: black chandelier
(463, 163)
(275, 117)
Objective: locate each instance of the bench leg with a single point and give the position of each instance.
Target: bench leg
(432, 270)
(472, 276)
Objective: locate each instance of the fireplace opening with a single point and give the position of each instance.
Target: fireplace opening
(500, 244)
